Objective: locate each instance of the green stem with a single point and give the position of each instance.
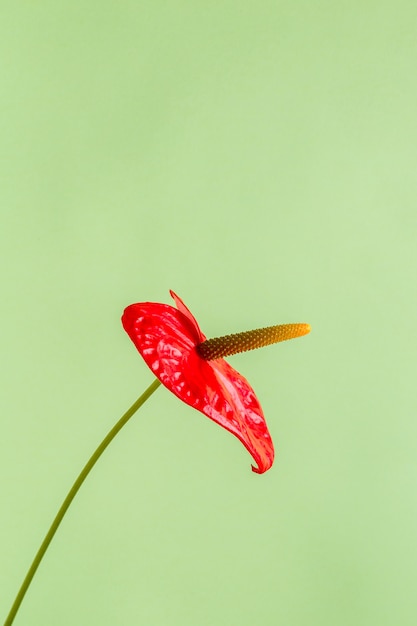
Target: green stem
(71, 494)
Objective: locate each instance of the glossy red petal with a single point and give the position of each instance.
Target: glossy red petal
(166, 338)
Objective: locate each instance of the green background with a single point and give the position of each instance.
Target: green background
(259, 158)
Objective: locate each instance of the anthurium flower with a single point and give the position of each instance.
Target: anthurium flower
(192, 367)
(173, 346)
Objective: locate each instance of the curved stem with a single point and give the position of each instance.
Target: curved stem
(71, 494)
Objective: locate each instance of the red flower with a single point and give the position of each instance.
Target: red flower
(170, 341)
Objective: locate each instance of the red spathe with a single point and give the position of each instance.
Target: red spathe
(166, 337)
